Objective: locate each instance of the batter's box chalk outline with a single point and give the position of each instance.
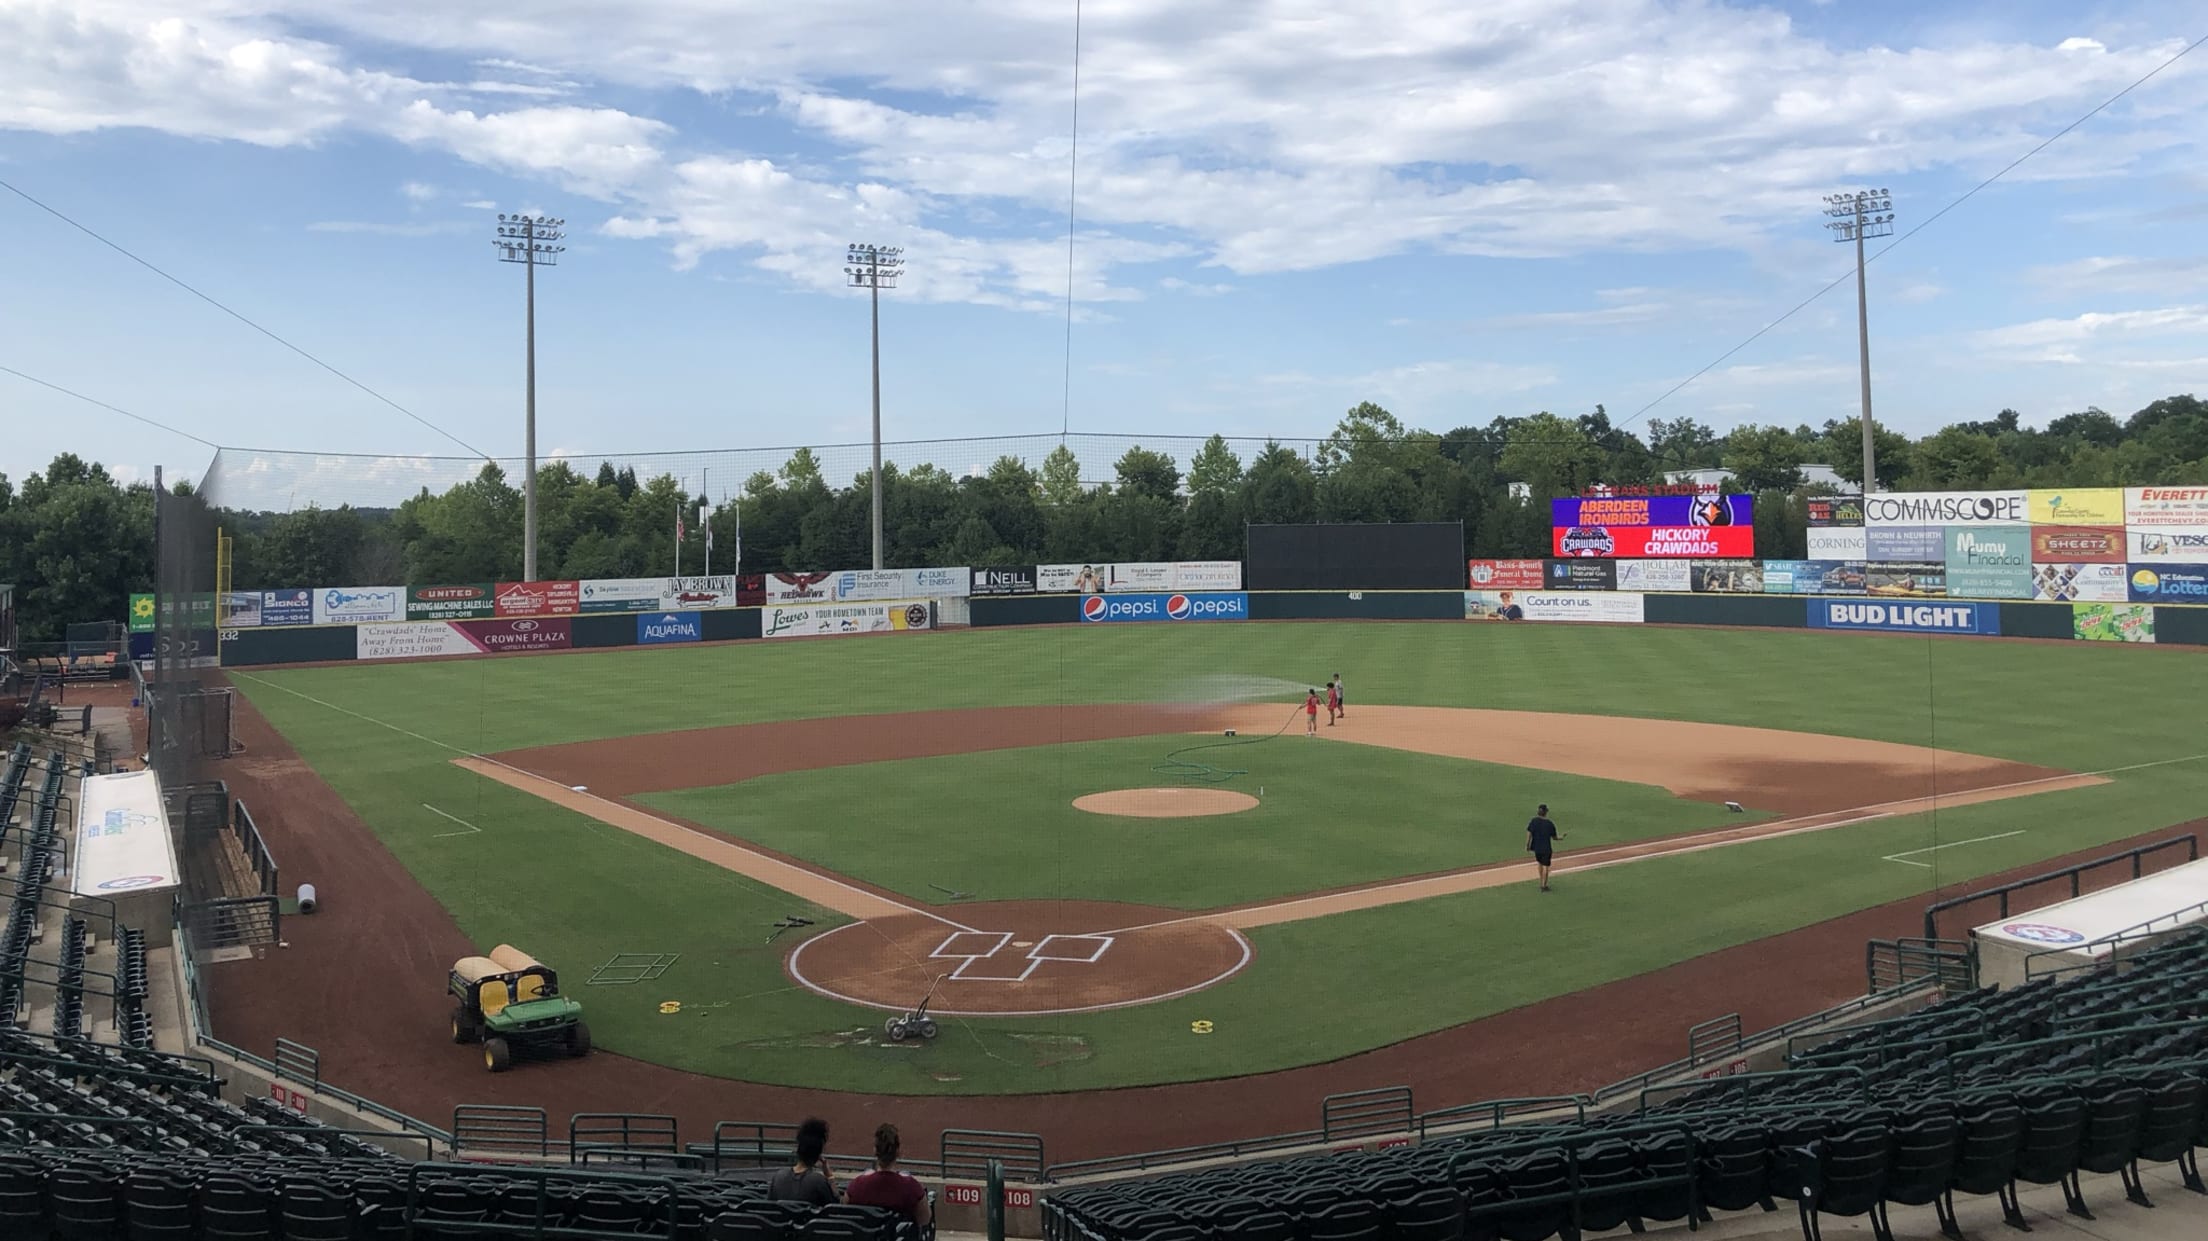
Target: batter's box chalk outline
(968, 944)
(1098, 945)
(631, 967)
(1028, 967)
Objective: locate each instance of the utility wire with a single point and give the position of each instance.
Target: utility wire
(113, 409)
(1966, 196)
(149, 266)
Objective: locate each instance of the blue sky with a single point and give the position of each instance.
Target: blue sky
(1284, 207)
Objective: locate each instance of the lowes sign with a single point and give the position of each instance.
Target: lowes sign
(1904, 617)
(654, 628)
(1175, 607)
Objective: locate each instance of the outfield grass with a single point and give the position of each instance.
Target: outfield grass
(1001, 824)
(1380, 975)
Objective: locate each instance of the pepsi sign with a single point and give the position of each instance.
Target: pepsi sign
(1173, 607)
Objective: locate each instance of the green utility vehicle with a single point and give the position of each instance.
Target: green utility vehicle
(511, 1002)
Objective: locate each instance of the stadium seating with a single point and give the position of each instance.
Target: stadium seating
(1971, 1096)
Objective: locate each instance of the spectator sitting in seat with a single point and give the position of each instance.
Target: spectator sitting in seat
(885, 1186)
(809, 1179)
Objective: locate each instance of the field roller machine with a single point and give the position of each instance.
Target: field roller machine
(511, 1003)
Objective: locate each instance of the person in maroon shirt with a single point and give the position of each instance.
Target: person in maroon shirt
(885, 1186)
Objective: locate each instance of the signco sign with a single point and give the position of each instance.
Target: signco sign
(1947, 508)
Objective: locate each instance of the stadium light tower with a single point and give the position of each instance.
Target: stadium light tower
(875, 268)
(532, 241)
(1866, 213)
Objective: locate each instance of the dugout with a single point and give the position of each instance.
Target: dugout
(1416, 555)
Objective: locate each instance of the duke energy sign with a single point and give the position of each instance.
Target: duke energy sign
(1973, 618)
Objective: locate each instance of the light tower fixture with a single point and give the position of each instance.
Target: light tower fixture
(875, 268)
(532, 241)
(1865, 213)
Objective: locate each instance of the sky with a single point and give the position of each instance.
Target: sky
(1279, 208)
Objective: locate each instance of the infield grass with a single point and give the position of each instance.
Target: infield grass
(1379, 975)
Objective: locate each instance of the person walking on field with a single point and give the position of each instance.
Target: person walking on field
(1341, 697)
(1333, 702)
(1541, 838)
(1311, 714)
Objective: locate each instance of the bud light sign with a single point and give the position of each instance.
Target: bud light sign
(1902, 616)
(1177, 607)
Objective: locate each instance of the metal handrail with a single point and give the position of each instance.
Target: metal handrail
(2136, 856)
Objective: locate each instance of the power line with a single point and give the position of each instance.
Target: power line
(114, 409)
(1929, 220)
(149, 266)
(1073, 182)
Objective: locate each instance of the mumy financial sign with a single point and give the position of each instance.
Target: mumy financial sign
(1947, 508)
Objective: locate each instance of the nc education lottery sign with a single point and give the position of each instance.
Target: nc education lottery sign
(2169, 583)
(1970, 618)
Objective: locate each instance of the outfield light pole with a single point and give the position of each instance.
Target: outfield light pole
(1867, 213)
(875, 268)
(532, 241)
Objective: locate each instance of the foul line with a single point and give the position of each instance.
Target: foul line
(472, 828)
(1903, 857)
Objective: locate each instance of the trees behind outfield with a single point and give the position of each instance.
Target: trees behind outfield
(76, 542)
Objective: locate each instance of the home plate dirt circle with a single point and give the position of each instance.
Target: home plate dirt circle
(1020, 958)
(1165, 803)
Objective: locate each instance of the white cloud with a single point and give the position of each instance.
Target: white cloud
(1177, 285)
(2097, 337)
(2121, 274)
(425, 228)
(416, 191)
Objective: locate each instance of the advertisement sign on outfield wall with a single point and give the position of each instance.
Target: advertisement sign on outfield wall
(241, 609)
(1676, 576)
(2169, 583)
(411, 640)
(468, 602)
(1728, 577)
(1989, 562)
(800, 587)
(1699, 510)
(2078, 506)
(346, 605)
(1834, 510)
(1905, 543)
(287, 607)
(1145, 576)
(621, 594)
(1946, 508)
(2062, 583)
(2081, 544)
(1839, 543)
(2166, 506)
(827, 620)
(1571, 605)
(1009, 580)
(538, 598)
(1643, 542)
(1913, 579)
(1580, 575)
(1120, 609)
(1976, 618)
(878, 585)
(1503, 574)
(2167, 545)
(678, 594)
(524, 634)
(1812, 577)
(2112, 622)
(658, 628)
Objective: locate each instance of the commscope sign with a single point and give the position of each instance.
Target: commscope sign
(1103, 609)
(1971, 618)
(1947, 508)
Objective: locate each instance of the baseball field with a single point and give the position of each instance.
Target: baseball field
(761, 851)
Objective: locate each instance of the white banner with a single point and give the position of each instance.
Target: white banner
(241, 609)
(1672, 575)
(2166, 506)
(689, 594)
(817, 620)
(351, 605)
(411, 640)
(622, 594)
(1070, 579)
(2082, 583)
(800, 587)
(1583, 605)
(1140, 577)
(1207, 575)
(122, 836)
(864, 585)
(1946, 508)
(1839, 543)
(2167, 545)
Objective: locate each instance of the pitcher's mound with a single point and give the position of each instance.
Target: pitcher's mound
(1165, 803)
